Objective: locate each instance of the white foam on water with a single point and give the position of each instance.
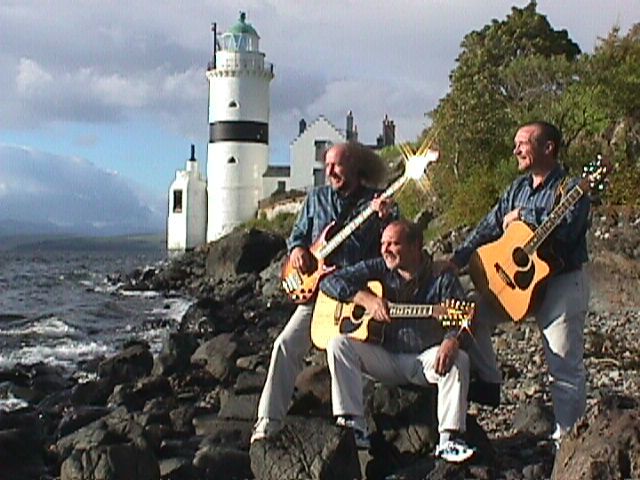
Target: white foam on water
(65, 353)
(177, 308)
(12, 403)
(47, 327)
(139, 293)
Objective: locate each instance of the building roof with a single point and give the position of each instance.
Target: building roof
(310, 127)
(241, 26)
(277, 171)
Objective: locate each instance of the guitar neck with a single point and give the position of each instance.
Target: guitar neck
(354, 224)
(554, 218)
(401, 310)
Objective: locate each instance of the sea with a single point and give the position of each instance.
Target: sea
(63, 309)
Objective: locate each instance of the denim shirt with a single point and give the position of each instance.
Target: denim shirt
(324, 205)
(568, 239)
(402, 335)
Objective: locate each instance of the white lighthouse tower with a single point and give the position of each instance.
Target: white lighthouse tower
(186, 223)
(238, 149)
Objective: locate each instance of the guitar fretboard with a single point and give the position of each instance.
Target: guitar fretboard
(554, 218)
(350, 227)
(409, 310)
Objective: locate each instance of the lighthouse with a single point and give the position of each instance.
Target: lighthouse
(238, 148)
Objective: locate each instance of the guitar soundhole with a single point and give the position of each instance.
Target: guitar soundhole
(520, 258)
(352, 323)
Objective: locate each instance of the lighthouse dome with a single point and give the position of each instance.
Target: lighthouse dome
(241, 37)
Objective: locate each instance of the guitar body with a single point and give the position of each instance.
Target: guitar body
(507, 276)
(331, 318)
(302, 287)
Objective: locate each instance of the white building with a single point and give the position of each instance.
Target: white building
(187, 220)
(238, 173)
(238, 149)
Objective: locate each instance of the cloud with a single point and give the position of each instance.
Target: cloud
(73, 194)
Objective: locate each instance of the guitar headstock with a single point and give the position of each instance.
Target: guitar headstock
(457, 313)
(595, 173)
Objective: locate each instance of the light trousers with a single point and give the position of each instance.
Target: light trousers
(350, 359)
(287, 357)
(560, 319)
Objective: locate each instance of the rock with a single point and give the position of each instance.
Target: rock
(218, 356)
(130, 364)
(242, 251)
(223, 462)
(309, 449)
(603, 446)
(111, 462)
(22, 451)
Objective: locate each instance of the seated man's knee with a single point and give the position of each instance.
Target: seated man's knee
(338, 344)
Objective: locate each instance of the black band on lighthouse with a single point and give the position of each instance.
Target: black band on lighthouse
(238, 131)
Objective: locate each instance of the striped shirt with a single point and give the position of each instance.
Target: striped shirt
(568, 239)
(402, 335)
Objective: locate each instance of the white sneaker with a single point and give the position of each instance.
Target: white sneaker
(454, 451)
(264, 428)
(363, 441)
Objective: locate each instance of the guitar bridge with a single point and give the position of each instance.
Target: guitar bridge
(504, 277)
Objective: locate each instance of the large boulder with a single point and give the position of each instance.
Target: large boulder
(306, 449)
(242, 251)
(605, 445)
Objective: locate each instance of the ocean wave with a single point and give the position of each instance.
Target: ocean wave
(47, 327)
(66, 354)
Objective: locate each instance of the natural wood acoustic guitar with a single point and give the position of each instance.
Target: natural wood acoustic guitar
(332, 318)
(302, 287)
(511, 272)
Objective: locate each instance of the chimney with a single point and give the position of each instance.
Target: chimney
(349, 131)
(302, 126)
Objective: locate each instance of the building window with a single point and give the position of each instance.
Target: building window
(232, 160)
(177, 201)
(321, 147)
(282, 185)
(318, 177)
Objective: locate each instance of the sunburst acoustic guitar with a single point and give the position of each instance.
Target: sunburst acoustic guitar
(511, 271)
(332, 318)
(302, 287)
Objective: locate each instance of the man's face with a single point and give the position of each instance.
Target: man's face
(338, 168)
(396, 251)
(529, 151)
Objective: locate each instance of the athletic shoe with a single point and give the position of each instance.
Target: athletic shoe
(454, 451)
(363, 441)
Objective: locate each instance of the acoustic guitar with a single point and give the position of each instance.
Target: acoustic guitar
(301, 287)
(510, 272)
(332, 318)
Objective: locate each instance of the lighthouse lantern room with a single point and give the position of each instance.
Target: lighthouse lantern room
(238, 149)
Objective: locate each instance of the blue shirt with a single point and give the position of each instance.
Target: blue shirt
(402, 335)
(324, 205)
(568, 239)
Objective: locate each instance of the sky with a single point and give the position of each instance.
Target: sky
(117, 90)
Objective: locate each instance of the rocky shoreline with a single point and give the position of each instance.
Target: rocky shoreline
(187, 413)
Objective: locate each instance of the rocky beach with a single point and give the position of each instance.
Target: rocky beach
(187, 412)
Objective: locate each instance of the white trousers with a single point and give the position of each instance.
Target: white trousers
(349, 359)
(287, 358)
(560, 318)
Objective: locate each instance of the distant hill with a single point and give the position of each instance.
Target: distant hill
(128, 243)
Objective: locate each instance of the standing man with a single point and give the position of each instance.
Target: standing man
(417, 351)
(351, 170)
(561, 315)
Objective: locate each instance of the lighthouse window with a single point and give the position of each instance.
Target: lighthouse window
(177, 201)
(233, 104)
(232, 160)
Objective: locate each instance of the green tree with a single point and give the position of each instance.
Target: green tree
(503, 71)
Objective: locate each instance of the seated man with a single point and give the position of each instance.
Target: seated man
(416, 351)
